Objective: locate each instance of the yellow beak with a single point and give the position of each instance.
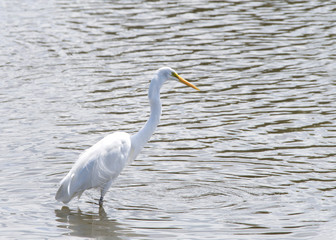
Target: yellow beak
(182, 80)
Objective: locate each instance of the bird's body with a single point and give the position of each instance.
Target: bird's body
(99, 165)
(96, 167)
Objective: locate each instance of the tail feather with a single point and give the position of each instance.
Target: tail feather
(73, 184)
(64, 194)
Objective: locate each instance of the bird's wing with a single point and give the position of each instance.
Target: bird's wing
(96, 166)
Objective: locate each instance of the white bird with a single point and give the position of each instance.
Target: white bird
(99, 165)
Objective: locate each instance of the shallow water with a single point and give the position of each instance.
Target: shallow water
(251, 156)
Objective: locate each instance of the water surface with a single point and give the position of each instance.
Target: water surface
(251, 156)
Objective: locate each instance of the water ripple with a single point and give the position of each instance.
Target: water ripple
(251, 155)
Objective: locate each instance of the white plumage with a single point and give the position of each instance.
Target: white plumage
(99, 165)
(96, 167)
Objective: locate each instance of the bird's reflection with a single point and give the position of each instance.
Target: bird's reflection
(89, 224)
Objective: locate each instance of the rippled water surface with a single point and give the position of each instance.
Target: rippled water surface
(251, 156)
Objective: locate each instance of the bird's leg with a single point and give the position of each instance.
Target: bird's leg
(101, 200)
(103, 192)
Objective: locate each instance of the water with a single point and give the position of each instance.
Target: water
(251, 156)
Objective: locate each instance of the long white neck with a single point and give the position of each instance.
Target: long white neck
(141, 138)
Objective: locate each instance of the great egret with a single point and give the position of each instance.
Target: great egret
(99, 165)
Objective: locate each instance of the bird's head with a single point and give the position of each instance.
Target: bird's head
(167, 73)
